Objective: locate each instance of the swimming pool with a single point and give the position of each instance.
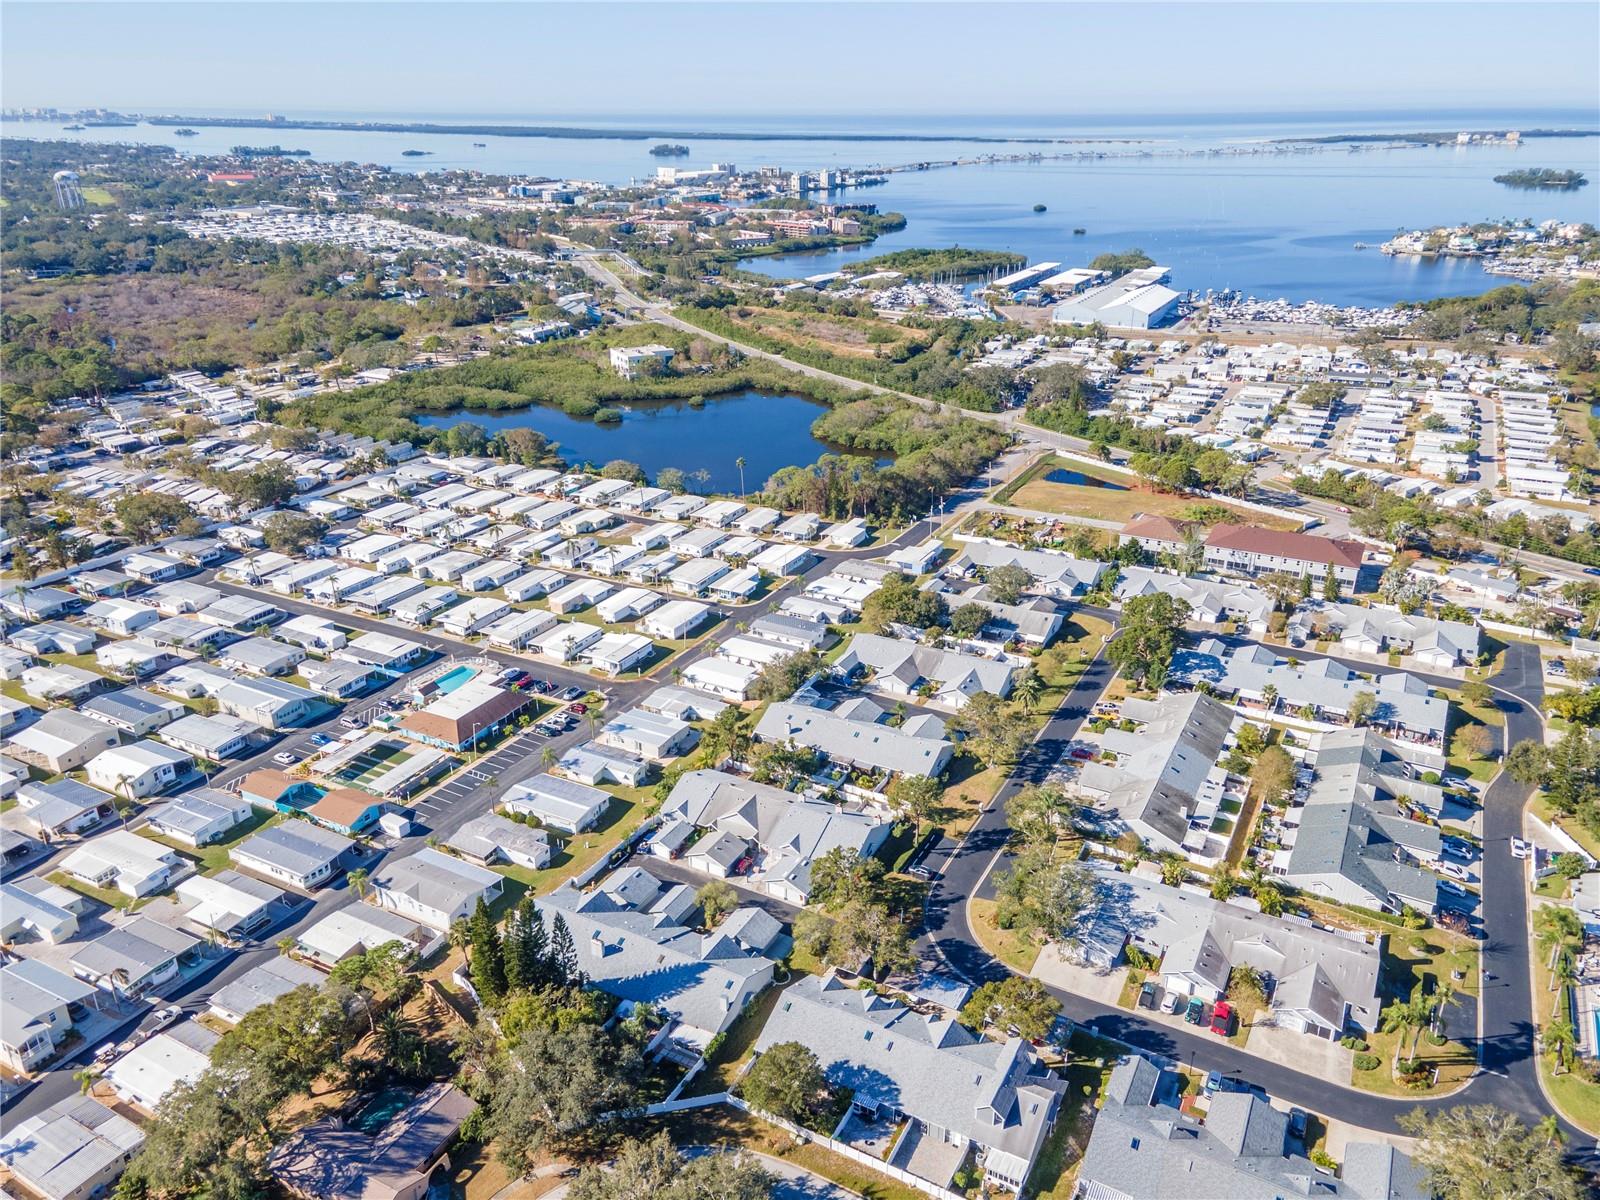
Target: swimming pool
(454, 678)
(380, 1110)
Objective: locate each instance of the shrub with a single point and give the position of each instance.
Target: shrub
(1353, 1043)
(606, 415)
(1367, 1062)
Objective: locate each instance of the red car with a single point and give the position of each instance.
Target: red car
(1222, 1018)
(580, 709)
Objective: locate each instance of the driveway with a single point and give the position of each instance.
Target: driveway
(1507, 1077)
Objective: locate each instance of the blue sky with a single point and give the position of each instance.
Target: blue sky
(586, 60)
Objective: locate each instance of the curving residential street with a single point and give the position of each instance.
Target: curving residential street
(1507, 1075)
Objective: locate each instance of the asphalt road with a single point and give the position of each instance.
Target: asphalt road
(440, 811)
(1507, 1076)
(1334, 520)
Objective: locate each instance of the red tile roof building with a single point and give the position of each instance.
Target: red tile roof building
(1249, 550)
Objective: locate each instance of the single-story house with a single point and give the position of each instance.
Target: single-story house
(52, 811)
(133, 710)
(146, 1074)
(136, 866)
(199, 817)
(62, 740)
(562, 804)
(133, 957)
(298, 853)
(648, 735)
(435, 888)
(214, 738)
(229, 904)
(276, 977)
(73, 1150)
(491, 839)
(142, 769)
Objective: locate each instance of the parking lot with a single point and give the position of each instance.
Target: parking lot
(492, 768)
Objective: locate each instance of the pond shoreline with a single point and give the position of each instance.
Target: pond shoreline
(768, 429)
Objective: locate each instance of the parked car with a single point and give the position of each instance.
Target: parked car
(1195, 1014)
(320, 739)
(1299, 1120)
(1172, 1002)
(1520, 848)
(286, 758)
(159, 1020)
(1454, 888)
(571, 693)
(580, 709)
(1452, 871)
(1147, 995)
(1214, 1082)
(350, 722)
(1222, 1018)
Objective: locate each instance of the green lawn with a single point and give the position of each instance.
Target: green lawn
(1016, 951)
(1117, 496)
(1088, 1066)
(107, 896)
(723, 1065)
(1578, 1100)
(724, 1125)
(1540, 807)
(625, 813)
(214, 858)
(1407, 966)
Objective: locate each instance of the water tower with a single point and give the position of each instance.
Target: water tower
(68, 194)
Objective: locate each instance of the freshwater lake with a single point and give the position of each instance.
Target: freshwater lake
(768, 430)
(1277, 224)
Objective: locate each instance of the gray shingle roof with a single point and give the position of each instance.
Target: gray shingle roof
(927, 1066)
(644, 956)
(1143, 1146)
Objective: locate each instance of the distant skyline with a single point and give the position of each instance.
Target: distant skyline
(569, 62)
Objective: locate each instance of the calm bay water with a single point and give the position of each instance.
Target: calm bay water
(1269, 224)
(768, 430)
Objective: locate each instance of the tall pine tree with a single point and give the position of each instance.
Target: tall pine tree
(514, 946)
(536, 950)
(488, 957)
(563, 956)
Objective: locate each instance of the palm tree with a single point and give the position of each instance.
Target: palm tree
(85, 1079)
(1029, 687)
(460, 936)
(1270, 695)
(358, 882)
(286, 946)
(1562, 976)
(119, 978)
(1549, 1128)
(1556, 927)
(1560, 1040)
(739, 462)
(547, 756)
(123, 790)
(1405, 1016)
